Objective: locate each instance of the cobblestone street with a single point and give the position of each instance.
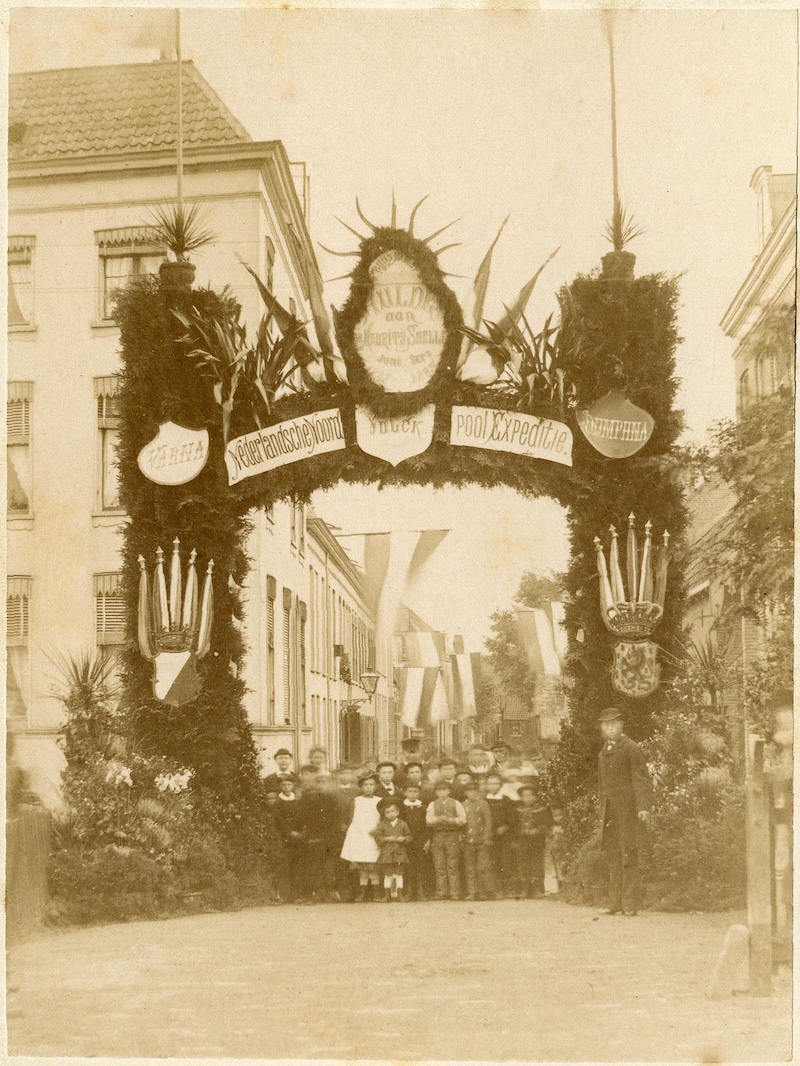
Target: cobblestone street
(525, 980)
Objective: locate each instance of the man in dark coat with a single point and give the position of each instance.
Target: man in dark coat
(318, 820)
(626, 797)
(283, 759)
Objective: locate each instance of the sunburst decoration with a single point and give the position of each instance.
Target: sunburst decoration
(392, 226)
(425, 260)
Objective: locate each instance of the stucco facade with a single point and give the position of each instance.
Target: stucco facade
(78, 217)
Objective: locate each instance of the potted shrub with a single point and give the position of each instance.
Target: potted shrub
(618, 265)
(179, 229)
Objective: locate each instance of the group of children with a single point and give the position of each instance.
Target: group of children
(448, 832)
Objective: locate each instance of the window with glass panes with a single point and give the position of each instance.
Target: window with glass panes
(18, 594)
(105, 391)
(20, 281)
(18, 448)
(126, 253)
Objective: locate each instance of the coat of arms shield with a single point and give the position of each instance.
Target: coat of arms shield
(636, 671)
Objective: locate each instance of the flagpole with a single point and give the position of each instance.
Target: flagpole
(609, 14)
(179, 159)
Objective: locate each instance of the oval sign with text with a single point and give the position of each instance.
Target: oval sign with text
(614, 426)
(175, 455)
(401, 335)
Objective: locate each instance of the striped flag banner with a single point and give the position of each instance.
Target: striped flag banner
(411, 696)
(465, 688)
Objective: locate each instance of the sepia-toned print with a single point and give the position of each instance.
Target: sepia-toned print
(399, 586)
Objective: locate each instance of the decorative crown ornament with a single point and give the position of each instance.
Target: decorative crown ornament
(633, 615)
(636, 614)
(174, 628)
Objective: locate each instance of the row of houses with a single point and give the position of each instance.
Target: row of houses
(92, 154)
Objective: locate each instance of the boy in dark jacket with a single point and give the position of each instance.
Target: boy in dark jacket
(318, 818)
(477, 843)
(502, 851)
(533, 818)
(418, 871)
(392, 836)
(285, 812)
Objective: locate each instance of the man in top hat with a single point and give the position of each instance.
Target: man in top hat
(626, 797)
(283, 760)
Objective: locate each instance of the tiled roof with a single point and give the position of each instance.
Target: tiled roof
(93, 111)
(708, 505)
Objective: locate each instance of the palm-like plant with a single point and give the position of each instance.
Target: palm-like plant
(528, 364)
(179, 229)
(622, 228)
(281, 360)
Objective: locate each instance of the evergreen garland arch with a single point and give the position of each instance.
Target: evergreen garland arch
(614, 333)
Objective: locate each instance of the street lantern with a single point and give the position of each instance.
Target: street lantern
(369, 681)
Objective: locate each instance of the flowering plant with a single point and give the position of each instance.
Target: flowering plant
(175, 782)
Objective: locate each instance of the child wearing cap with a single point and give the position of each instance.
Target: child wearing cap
(392, 836)
(287, 822)
(477, 843)
(533, 820)
(446, 818)
(360, 847)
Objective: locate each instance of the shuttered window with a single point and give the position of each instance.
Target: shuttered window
(287, 658)
(18, 448)
(109, 609)
(271, 589)
(18, 594)
(301, 640)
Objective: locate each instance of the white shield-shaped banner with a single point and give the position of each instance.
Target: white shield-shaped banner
(394, 439)
(176, 681)
(636, 672)
(614, 426)
(175, 455)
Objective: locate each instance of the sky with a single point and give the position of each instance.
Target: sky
(490, 113)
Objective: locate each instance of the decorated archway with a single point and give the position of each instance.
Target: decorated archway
(214, 424)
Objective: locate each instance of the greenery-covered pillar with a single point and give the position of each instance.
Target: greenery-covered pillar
(211, 733)
(618, 332)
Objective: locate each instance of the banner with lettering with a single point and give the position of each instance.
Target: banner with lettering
(511, 431)
(394, 439)
(286, 442)
(615, 427)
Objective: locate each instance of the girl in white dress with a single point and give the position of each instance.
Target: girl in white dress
(360, 848)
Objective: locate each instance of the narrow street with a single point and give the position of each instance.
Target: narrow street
(531, 980)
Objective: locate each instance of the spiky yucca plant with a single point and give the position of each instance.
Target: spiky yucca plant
(180, 228)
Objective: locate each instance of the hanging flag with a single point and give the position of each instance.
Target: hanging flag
(440, 706)
(420, 649)
(465, 687)
(391, 563)
(412, 694)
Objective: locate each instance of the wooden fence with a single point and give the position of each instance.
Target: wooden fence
(27, 854)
